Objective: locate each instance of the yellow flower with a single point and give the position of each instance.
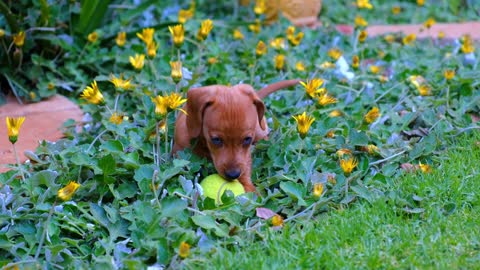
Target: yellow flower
(325, 99)
(67, 192)
(362, 36)
(260, 7)
(147, 35)
(467, 45)
(290, 31)
(92, 94)
(237, 34)
(279, 61)
(255, 27)
(396, 10)
(300, 66)
(409, 39)
(335, 53)
(371, 149)
(335, 113)
(277, 220)
(293, 39)
(212, 60)
(185, 14)
(317, 189)
(364, 4)
(92, 37)
(261, 49)
(13, 127)
(184, 250)
(205, 28)
(19, 39)
(372, 115)
(312, 87)
(417, 80)
(441, 35)
(296, 39)
(32, 95)
(420, 2)
(355, 61)
(374, 69)
(360, 21)
(348, 165)
(164, 104)
(327, 64)
(120, 83)
(389, 38)
(2, 33)
(176, 73)
(50, 86)
(178, 34)
(152, 49)
(330, 134)
(424, 90)
(429, 23)
(138, 61)
(449, 74)
(382, 78)
(381, 54)
(344, 151)
(121, 39)
(425, 168)
(278, 43)
(303, 123)
(116, 118)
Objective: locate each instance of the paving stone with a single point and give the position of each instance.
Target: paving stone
(42, 122)
(451, 30)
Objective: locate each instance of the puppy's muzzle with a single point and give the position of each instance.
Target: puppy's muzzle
(232, 174)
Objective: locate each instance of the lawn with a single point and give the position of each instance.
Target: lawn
(382, 177)
(441, 233)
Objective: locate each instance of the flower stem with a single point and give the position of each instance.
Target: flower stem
(44, 233)
(166, 136)
(157, 133)
(252, 73)
(448, 97)
(18, 162)
(94, 140)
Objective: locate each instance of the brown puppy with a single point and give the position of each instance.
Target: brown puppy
(225, 121)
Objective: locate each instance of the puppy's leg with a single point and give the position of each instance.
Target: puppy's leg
(245, 179)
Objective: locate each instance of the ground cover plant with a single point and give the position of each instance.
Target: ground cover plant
(369, 110)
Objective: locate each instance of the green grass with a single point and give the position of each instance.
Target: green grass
(381, 235)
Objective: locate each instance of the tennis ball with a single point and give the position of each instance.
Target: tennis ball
(214, 186)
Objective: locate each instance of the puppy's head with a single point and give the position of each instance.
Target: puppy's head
(229, 119)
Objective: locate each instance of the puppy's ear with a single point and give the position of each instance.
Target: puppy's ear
(197, 100)
(261, 130)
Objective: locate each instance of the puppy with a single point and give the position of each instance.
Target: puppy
(222, 123)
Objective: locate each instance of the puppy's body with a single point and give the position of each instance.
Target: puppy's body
(224, 122)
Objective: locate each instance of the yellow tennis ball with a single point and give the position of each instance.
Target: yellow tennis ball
(214, 186)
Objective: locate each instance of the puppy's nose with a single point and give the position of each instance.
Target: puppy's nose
(232, 174)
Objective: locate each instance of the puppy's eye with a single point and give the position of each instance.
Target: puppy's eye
(247, 141)
(217, 141)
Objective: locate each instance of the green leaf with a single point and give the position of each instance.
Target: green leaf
(112, 146)
(208, 223)
(99, 214)
(172, 207)
(362, 192)
(144, 172)
(358, 137)
(92, 13)
(107, 164)
(295, 191)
